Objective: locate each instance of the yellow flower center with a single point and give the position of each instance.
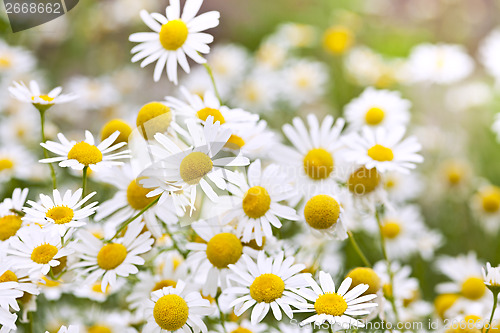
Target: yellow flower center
(365, 275)
(9, 225)
(363, 181)
(381, 153)
(49, 283)
(111, 256)
(267, 288)
(194, 166)
(390, 183)
(454, 173)
(387, 289)
(490, 199)
(224, 249)
(318, 163)
(374, 116)
(63, 262)
(321, 211)
(116, 125)
(173, 34)
(45, 98)
(99, 329)
(256, 202)
(154, 117)
(164, 284)
(8, 276)
(171, 312)
(205, 112)
(337, 40)
(60, 214)
(6, 164)
(331, 304)
(136, 196)
(96, 287)
(85, 153)
(390, 229)
(473, 288)
(241, 330)
(235, 142)
(5, 62)
(44, 253)
(443, 302)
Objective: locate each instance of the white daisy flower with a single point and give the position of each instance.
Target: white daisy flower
(174, 37)
(179, 169)
(312, 160)
(376, 108)
(10, 214)
(489, 52)
(270, 283)
(15, 60)
(69, 329)
(106, 261)
(15, 162)
(256, 203)
(383, 149)
(61, 212)
(335, 306)
(33, 95)
(401, 187)
(486, 205)
(37, 250)
(78, 155)
(252, 140)
(491, 275)
(176, 310)
(20, 276)
(94, 93)
(258, 91)
(7, 319)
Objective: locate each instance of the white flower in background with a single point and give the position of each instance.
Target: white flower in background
(491, 275)
(10, 214)
(33, 95)
(306, 82)
(15, 162)
(439, 63)
(258, 91)
(15, 60)
(174, 37)
(335, 306)
(271, 283)
(402, 187)
(228, 62)
(376, 108)
(489, 53)
(78, 155)
(257, 203)
(37, 250)
(7, 319)
(61, 212)
(69, 329)
(176, 310)
(486, 205)
(94, 93)
(119, 257)
(383, 149)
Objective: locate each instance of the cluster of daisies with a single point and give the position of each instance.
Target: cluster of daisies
(205, 217)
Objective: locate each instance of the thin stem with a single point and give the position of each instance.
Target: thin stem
(210, 73)
(45, 153)
(174, 243)
(84, 181)
(30, 322)
(126, 223)
(222, 318)
(330, 329)
(360, 253)
(495, 301)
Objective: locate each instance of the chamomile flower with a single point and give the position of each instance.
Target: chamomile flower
(78, 155)
(335, 306)
(312, 160)
(376, 108)
(228, 62)
(7, 319)
(252, 140)
(68, 329)
(269, 283)
(10, 214)
(257, 203)
(95, 93)
(61, 212)
(486, 205)
(383, 149)
(106, 261)
(490, 51)
(23, 282)
(176, 310)
(15, 60)
(15, 162)
(180, 169)
(33, 95)
(173, 37)
(37, 250)
(491, 275)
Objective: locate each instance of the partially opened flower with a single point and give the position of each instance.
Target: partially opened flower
(491, 275)
(33, 95)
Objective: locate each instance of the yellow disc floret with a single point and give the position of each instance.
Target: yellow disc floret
(235, 142)
(44, 253)
(85, 153)
(111, 256)
(99, 329)
(322, 211)
(256, 202)
(267, 288)
(45, 98)
(194, 166)
(390, 229)
(318, 163)
(490, 199)
(381, 153)
(6, 164)
(224, 249)
(116, 125)
(374, 116)
(171, 312)
(8, 276)
(205, 112)
(473, 288)
(338, 39)
(60, 214)
(173, 34)
(363, 181)
(365, 275)
(154, 117)
(136, 196)
(241, 330)
(164, 284)
(9, 225)
(331, 304)
(443, 302)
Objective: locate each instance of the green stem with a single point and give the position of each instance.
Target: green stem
(174, 243)
(222, 318)
(126, 223)
(495, 301)
(330, 329)
(45, 153)
(360, 253)
(210, 73)
(84, 181)
(30, 322)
